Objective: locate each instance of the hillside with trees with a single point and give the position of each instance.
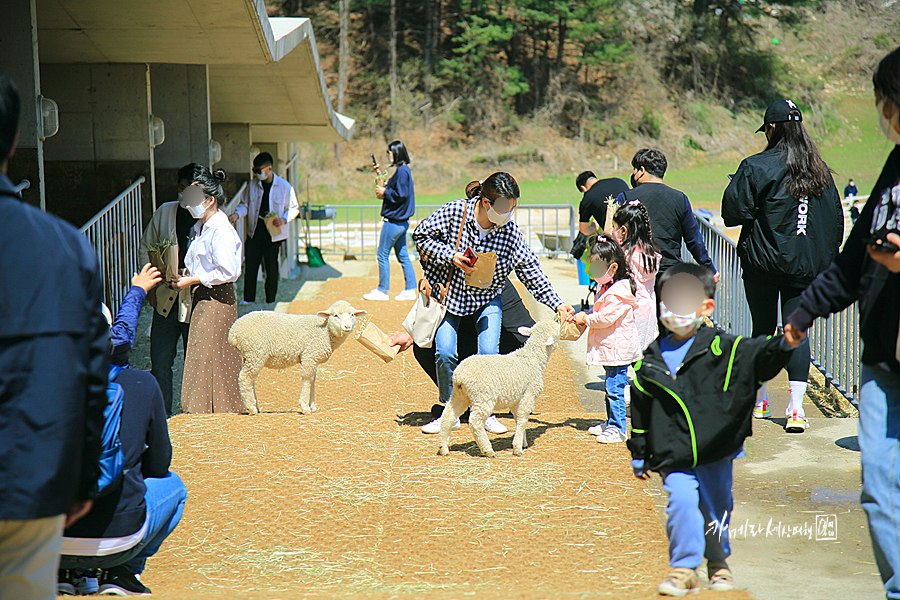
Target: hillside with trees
(548, 82)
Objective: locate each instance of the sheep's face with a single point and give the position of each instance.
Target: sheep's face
(545, 333)
(341, 316)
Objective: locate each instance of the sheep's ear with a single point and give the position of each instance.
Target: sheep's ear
(359, 312)
(526, 331)
(549, 341)
(324, 313)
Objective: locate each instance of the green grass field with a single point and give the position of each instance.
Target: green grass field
(856, 150)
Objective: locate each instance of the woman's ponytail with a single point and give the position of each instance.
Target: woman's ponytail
(473, 189)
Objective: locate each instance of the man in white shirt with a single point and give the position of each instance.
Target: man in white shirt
(266, 194)
(170, 321)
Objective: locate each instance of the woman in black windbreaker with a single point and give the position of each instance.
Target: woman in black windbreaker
(868, 270)
(792, 224)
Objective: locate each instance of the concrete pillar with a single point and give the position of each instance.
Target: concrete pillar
(235, 141)
(181, 100)
(19, 61)
(103, 143)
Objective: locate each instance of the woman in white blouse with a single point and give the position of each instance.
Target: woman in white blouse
(212, 265)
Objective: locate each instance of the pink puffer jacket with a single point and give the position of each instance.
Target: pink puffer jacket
(612, 339)
(645, 313)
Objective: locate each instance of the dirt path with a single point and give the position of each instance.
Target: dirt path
(353, 500)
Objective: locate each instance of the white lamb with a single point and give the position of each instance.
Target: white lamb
(490, 382)
(279, 340)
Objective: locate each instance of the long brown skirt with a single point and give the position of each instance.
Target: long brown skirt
(211, 364)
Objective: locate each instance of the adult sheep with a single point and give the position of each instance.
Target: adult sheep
(488, 382)
(279, 340)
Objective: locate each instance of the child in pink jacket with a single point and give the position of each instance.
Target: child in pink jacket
(612, 341)
(632, 223)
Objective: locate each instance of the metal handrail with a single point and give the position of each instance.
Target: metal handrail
(232, 204)
(115, 233)
(359, 232)
(833, 341)
(23, 185)
(114, 201)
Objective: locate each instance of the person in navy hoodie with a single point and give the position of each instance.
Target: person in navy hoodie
(128, 525)
(54, 356)
(398, 204)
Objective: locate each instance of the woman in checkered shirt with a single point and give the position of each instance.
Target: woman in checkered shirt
(483, 223)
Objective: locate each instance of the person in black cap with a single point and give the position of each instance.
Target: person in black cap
(868, 271)
(789, 210)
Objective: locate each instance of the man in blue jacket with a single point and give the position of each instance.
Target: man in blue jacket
(54, 356)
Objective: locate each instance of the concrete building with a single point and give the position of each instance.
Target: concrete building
(141, 88)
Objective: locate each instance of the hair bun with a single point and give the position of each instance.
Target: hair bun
(220, 174)
(473, 189)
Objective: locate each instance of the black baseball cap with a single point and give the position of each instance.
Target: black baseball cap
(779, 112)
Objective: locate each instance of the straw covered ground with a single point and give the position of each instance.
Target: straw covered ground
(353, 501)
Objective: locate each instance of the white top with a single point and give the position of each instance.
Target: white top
(214, 255)
(103, 546)
(282, 200)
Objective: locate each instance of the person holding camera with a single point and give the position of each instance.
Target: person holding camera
(868, 270)
(398, 204)
(789, 210)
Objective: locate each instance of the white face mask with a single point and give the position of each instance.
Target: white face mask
(499, 218)
(888, 126)
(680, 325)
(197, 211)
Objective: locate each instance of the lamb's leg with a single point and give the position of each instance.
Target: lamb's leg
(307, 387)
(522, 412)
(480, 411)
(247, 385)
(459, 402)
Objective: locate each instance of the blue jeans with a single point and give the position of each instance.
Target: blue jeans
(165, 499)
(616, 380)
(699, 513)
(487, 327)
(393, 235)
(879, 444)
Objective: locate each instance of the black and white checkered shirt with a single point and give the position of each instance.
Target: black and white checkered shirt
(435, 237)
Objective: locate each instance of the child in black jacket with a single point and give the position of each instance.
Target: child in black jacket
(691, 405)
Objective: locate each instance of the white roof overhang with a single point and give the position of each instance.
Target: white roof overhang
(262, 71)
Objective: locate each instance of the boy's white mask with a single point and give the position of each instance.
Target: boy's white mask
(680, 325)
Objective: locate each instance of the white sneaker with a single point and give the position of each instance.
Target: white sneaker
(407, 295)
(597, 429)
(243, 302)
(435, 426)
(796, 423)
(492, 425)
(611, 436)
(376, 294)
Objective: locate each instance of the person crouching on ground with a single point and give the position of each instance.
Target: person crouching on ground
(128, 523)
(612, 342)
(481, 223)
(691, 410)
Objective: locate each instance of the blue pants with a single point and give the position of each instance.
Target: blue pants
(165, 499)
(699, 513)
(879, 444)
(487, 327)
(393, 235)
(616, 380)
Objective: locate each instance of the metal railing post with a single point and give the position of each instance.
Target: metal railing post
(833, 342)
